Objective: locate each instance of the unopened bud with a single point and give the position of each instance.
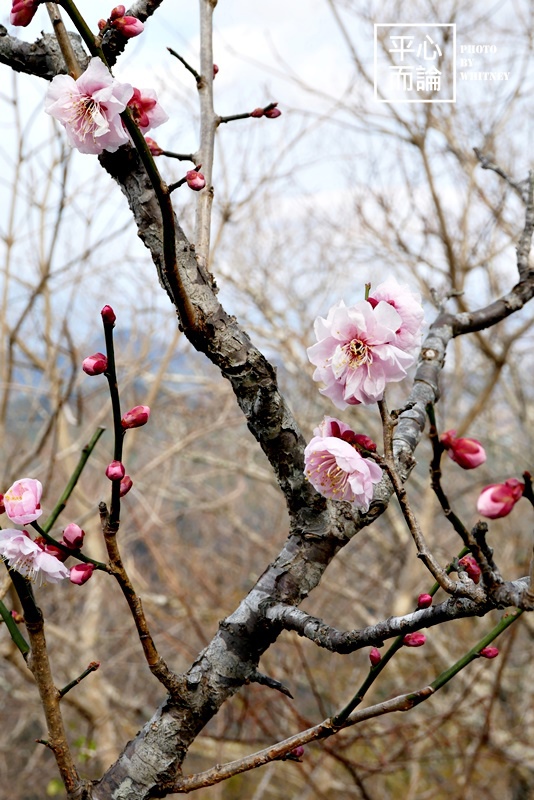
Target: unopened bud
(258, 112)
(374, 656)
(81, 573)
(215, 70)
(424, 601)
(489, 652)
(108, 315)
(73, 536)
(18, 618)
(153, 146)
(126, 485)
(297, 752)
(128, 26)
(101, 24)
(414, 639)
(2, 506)
(195, 180)
(135, 417)
(115, 471)
(273, 113)
(468, 564)
(95, 364)
(118, 11)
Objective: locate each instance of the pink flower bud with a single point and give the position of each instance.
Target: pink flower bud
(19, 619)
(489, 652)
(424, 601)
(215, 70)
(95, 364)
(498, 499)
(195, 180)
(258, 112)
(153, 146)
(128, 26)
(374, 656)
(272, 112)
(126, 485)
(101, 24)
(108, 315)
(414, 639)
(118, 11)
(81, 573)
(22, 12)
(297, 752)
(363, 441)
(468, 453)
(73, 536)
(135, 417)
(468, 564)
(115, 471)
(2, 506)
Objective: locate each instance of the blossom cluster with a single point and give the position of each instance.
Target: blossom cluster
(35, 558)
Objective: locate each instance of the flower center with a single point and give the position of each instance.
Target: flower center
(357, 353)
(330, 474)
(87, 117)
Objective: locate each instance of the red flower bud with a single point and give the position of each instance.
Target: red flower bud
(115, 471)
(469, 564)
(81, 573)
(22, 12)
(126, 485)
(489, 652)
(468, 453)
(128, 26)
(153, 146)
(118, 11)
(297, 752)
(498, 499)
(258, 112)
(135, 417)
(95, 364)
(215, 70)
(195, 180)
(73, 536)
(273, 113)
(374, 656)
(414, 639)
(2, 506)
(424, 601)
(108, 315)
(101, 24)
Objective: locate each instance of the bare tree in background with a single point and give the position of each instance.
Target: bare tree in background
(206, 515)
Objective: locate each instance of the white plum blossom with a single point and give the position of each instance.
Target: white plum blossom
(26, 557)
(408, 305)
(89, 108)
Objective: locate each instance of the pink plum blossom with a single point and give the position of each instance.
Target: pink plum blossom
(22, 12)
(81, 573)
(414, 639)
(356, 355)
(26, 557)
(468, 453)
(135, 417)
(146, 110)
(73, 536)
(195, 179)
(115, 471)
(95, 364)
(408, 305)
(22, 501)
(128, 26)
(89, 108)
(336, 469)
(498, 499)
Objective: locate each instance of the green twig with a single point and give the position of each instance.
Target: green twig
(14, 631)
(62, 502)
